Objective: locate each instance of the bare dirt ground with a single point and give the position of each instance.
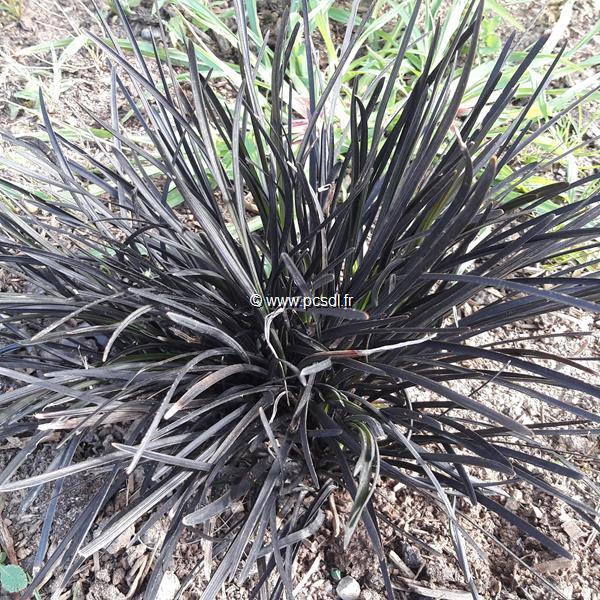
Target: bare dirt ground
(420, 549)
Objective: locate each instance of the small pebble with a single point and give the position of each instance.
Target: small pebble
(103, 575)
(104, 591)
(169, 586)
(118, 576)
(348, 588)
(410, 556)
(147, 33)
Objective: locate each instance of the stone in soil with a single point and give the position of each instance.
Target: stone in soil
(348, 588)
(169, 586)
(104, 591)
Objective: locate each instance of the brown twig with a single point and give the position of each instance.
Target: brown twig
(6, 541)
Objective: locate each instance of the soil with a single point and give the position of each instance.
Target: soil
(418, 546)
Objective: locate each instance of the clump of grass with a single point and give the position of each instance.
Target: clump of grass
(144, 316)
(13, 8)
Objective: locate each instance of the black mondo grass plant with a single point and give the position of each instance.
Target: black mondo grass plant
(162, 320)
